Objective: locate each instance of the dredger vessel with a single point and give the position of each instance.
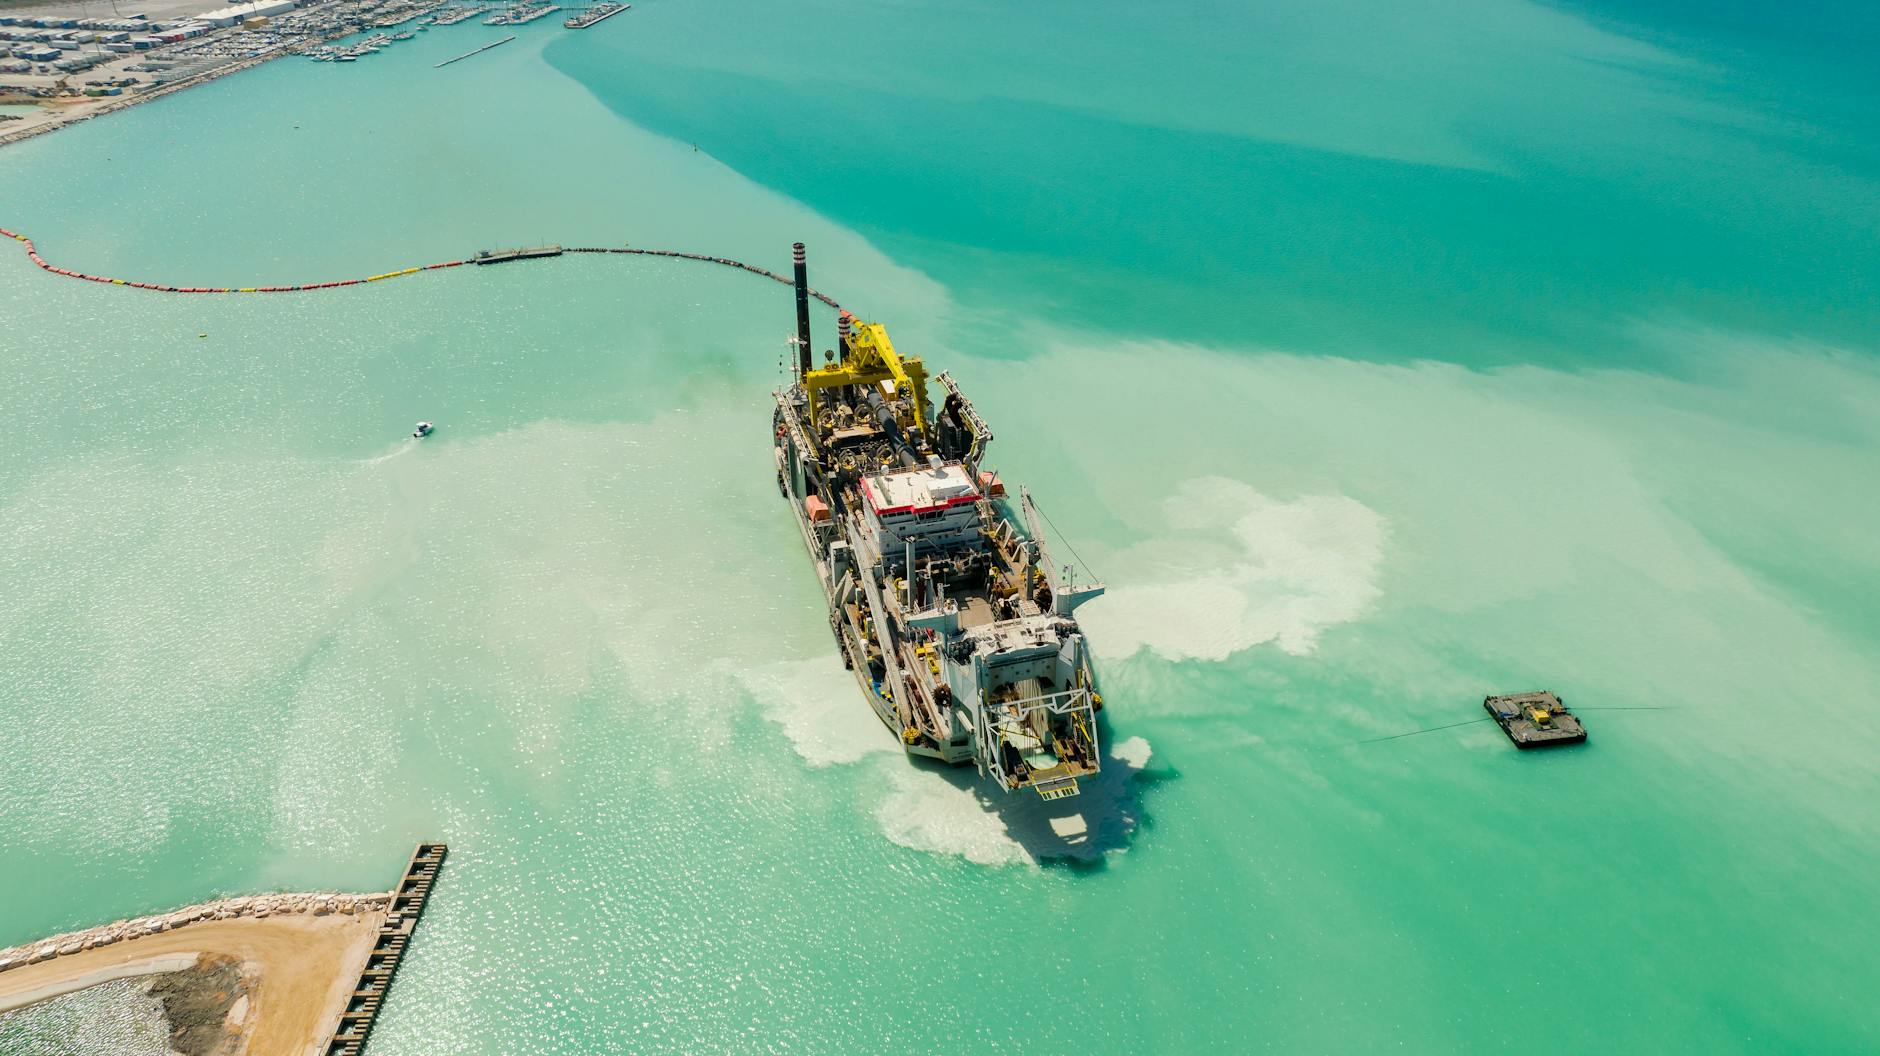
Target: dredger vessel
(952, 614)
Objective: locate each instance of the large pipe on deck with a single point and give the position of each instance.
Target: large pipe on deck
(803, 347)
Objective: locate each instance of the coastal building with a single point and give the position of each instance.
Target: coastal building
(229, 16)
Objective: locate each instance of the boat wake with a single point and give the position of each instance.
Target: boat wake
(947, 810)
(403, 447)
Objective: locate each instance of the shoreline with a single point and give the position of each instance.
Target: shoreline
(250, 907)
(59, 112)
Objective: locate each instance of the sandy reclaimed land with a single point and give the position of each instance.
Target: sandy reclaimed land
(308, 966)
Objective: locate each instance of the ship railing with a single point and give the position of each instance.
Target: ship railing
(885, 642)
(996, 719)
(982, 433)
(794, 424)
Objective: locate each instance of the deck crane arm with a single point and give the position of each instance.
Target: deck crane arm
(870, 359)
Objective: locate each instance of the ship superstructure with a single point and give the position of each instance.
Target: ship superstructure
(953, 616)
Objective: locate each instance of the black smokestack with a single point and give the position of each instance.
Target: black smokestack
(842, 334)
(802, 308)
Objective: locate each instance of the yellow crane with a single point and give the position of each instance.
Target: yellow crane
(868, 358)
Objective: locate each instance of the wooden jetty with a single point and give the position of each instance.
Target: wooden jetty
(408, 900)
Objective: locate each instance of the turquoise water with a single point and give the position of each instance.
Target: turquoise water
(1379, 358)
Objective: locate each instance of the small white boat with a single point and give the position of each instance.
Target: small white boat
(423, 430)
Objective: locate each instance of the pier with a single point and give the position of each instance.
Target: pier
(368, 995)
(475, 51)
(520, 14)
(460, 14)
(595, 14)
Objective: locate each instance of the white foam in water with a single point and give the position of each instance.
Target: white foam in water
(817, 705)
(1133, 752)
(403, 448)
(955, 812)
(1238, 570)
(821, 710)
(927, 812)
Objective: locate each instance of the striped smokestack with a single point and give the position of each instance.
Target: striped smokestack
(842, 334)
(803, 346)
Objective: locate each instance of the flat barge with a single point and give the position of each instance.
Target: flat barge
(1535, 720)
(521, 15)
(501, 256)
(368, 996)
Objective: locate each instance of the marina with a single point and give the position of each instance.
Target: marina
(248, 35)
(175, 54)
(521, 14)
(453, 15)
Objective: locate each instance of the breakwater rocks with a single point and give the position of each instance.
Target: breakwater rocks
(247, 906)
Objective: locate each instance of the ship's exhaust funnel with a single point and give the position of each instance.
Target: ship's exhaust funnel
(842, 335)
(803, 346)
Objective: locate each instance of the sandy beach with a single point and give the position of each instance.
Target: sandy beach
(304, 967)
